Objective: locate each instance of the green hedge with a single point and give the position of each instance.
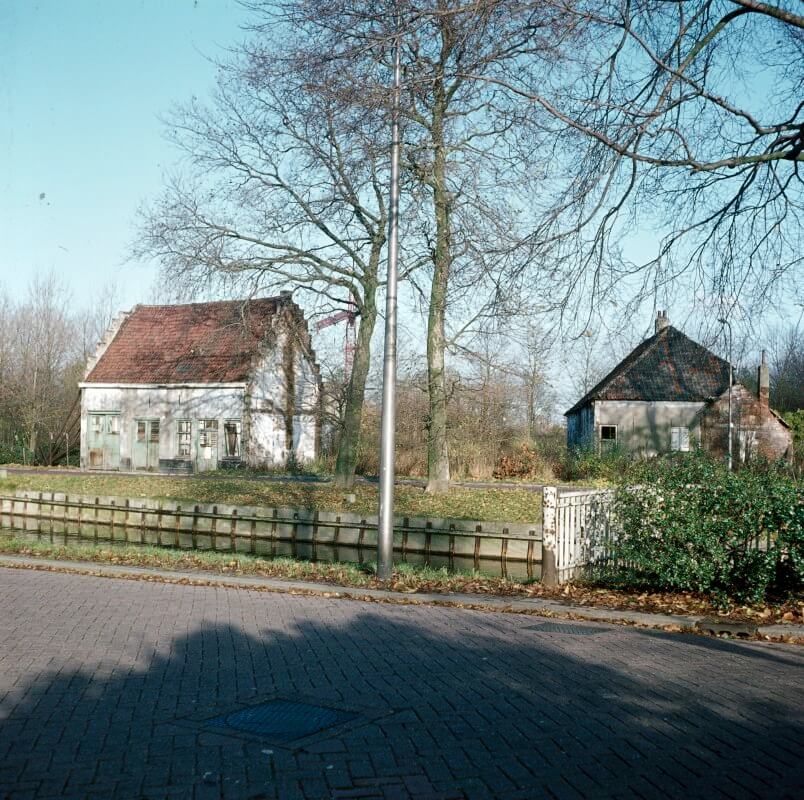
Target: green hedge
(687, 523)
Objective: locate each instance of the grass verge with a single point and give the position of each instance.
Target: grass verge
(407, 579)
(505, 505)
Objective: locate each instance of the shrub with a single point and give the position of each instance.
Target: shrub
(524, 461)
(588, 465)
(687, 523)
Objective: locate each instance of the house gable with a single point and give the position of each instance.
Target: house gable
(668, 366)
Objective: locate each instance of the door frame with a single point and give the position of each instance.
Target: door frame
(148, 421)
(199, 461)
(106, 460)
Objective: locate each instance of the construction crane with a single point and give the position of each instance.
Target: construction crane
(350, 315)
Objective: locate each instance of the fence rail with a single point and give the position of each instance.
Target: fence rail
(577, 531)
(317, 535)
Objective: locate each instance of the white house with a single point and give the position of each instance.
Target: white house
(185, 388)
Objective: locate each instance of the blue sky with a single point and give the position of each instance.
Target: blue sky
(82, 84)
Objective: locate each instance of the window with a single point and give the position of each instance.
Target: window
(113, 425)
(140, 430)
(97, 424)
(208, 434)
(154, 431)
(184, 438)
(231, 438)
(608, 438)
(680, 439)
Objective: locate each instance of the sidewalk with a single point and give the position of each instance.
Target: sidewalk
(674, 623)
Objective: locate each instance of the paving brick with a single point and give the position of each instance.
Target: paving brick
(104, 684)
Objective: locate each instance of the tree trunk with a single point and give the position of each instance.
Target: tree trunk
(34, 420)
(353, 412)
(437, 451)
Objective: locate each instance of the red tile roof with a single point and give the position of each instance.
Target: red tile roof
(193, 343)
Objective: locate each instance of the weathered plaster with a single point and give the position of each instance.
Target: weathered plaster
(642, 426)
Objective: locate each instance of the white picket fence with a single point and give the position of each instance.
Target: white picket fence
(578, 531)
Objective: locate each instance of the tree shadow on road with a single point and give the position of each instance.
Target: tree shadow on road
(449, 704)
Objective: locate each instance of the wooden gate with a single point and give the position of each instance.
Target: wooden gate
(578, 530)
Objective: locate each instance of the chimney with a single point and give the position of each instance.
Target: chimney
(661, 321)
(763, 392)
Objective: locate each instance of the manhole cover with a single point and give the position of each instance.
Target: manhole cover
(563, 627)
(282, 720)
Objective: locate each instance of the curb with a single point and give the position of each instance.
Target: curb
(674, 623)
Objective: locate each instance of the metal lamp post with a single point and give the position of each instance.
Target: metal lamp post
(385, 531)
(725, 322)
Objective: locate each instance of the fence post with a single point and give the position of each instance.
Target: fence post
(549, 527)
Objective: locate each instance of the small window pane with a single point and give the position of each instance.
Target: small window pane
(140, 430)
(608, 432)
(680, 439)
(97, 424)
(208, 434)
(184, 437)
(155, 430)
(113, 425)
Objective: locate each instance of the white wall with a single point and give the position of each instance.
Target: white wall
(167, 404)
(267, 436)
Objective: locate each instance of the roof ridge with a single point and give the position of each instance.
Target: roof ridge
(208, 302)
(645, 349)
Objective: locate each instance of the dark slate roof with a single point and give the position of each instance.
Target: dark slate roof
(193, 343)
(667, 366)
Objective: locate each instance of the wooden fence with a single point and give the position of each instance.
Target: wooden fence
(578, 531)
(496, 547)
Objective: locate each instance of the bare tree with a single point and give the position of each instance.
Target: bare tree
(787, 369)
(38, 356)
(785, 354)
(686, 118)
(284, 186)
(94, 322)
(468, 146)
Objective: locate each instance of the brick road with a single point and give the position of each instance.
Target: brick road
(105, 686)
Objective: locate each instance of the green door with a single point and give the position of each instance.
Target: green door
(145, 447)
(103, 438)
